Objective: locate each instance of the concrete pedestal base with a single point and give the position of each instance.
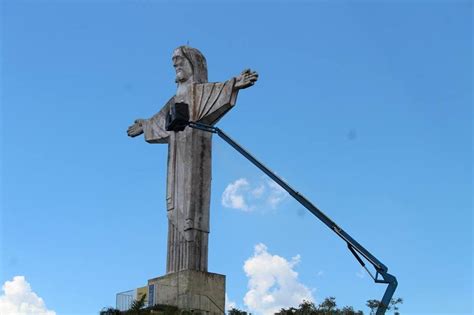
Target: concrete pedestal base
(197, 291)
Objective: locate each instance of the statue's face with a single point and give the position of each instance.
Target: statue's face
(182, 66)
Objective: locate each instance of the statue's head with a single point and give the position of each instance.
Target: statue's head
(190, 64)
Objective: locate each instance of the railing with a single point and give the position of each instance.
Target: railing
(124, 300)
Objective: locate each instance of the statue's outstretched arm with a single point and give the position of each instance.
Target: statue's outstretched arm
(153, 128)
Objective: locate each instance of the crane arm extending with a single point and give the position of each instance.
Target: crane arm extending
(355, 248)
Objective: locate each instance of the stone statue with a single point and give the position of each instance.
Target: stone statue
(189, 155)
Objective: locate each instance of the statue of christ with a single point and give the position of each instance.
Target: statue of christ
(189, 155)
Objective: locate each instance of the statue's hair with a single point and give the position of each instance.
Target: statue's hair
(198, 63)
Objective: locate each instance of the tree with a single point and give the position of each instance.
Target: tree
(349, 310)
(307, 307)
(328, 305)
(374, 304)
(137, 305)
(236, 311)
(394, 304)
(110, 311)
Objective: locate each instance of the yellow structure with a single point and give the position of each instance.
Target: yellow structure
(142, 291)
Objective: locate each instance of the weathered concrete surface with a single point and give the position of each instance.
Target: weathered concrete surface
(192, 290)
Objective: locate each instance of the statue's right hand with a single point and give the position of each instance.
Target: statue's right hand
(136, 129)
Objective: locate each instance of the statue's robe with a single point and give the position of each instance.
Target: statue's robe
(189, 172)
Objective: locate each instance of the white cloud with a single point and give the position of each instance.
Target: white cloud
(229, 304)
(19, 299)
(233, 196)
(273, 284)
(241, 195)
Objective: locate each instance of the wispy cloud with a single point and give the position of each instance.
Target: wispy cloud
(277, 194)
(243, 195)
(273, 283)
(258, 191)
(19, 299)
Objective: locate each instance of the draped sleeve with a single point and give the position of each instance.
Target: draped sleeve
(154, 128)
(213, 100)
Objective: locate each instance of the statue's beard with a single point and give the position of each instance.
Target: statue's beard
(179, 79)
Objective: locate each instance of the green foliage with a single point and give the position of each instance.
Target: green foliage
(235, 311)
(159, 309)
(373, 305)
(137, 306)
(110, 311)
(327, 307)
(394, 305)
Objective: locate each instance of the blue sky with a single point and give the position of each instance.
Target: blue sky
(364, 107)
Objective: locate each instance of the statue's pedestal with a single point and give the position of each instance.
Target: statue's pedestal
(192, 290)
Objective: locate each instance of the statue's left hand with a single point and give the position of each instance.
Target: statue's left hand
(246, 79)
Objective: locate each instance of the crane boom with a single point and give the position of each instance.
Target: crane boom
(381, 275)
